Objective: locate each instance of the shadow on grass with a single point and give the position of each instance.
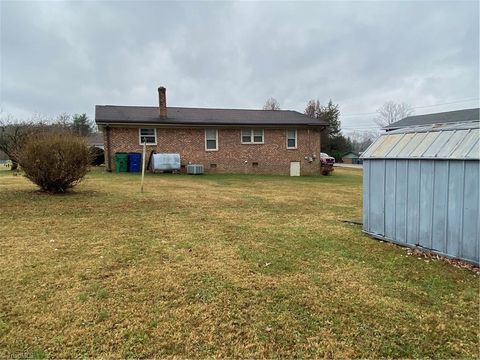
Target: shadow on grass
(38, 193)
(69, 192)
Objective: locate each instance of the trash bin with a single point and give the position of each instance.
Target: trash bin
(134, 162)
(121, 161)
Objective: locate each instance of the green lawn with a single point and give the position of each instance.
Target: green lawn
(218, 266)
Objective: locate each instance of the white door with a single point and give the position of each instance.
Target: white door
(295, 168)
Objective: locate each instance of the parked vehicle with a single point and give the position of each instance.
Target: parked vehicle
(327, 163)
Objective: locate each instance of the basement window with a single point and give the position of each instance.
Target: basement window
(148, 136)
(252, 136)
(291, 138)
(211, 140)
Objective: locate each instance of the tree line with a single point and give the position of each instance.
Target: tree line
(14, 133)
(333, 141)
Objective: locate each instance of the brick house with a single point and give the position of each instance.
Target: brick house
(222, 140)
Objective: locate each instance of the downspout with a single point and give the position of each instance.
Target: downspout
(322, 129)
(109, 159)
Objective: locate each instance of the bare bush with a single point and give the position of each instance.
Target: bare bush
(55, 161)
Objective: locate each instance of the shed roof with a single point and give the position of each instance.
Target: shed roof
(458, 141)
(437, 118)
(111, 114)
(350, 155)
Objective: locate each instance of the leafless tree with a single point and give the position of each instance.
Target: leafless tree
(12, 136)
(391, 112)
(14, 133)
(313, 109)
(271, 104)
(361, 140)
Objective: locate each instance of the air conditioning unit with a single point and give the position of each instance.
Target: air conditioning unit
(195, 169)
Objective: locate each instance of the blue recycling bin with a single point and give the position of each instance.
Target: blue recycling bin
(134, 162)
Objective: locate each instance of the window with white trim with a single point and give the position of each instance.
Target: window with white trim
(291, 138)
(148, 136)
(211, 139)
(252, 136)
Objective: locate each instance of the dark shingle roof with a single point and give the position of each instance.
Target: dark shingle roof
(110, 114)
(437, 118)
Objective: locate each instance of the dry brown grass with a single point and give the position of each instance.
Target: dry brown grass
(218, 266)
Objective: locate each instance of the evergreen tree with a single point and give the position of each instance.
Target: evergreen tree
(332, 140)
(82, 125)
(330, 114)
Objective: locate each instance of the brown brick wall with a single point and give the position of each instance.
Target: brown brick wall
(232, 156)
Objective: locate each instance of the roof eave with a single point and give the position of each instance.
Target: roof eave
(207, 123)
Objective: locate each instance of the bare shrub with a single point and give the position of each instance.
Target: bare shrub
(55, 161)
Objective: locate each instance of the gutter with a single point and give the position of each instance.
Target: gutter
(196, 125)
(109, 159)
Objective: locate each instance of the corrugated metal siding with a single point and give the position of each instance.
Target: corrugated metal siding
(429, 203)
(447, 142)
(421, 188)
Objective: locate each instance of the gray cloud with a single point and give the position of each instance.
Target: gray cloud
(68, 56)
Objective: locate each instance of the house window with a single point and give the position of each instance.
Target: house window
(148, 136)
(252, 136)
(211, 140)
(291, 138)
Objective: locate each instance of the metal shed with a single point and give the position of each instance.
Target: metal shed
(421, 188)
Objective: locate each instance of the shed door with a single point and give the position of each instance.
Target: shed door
(295, 168)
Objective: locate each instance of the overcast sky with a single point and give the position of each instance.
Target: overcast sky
(68, 56)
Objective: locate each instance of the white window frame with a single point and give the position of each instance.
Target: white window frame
(296, 138)
(216, 140)
(140, 136)
(252, 142)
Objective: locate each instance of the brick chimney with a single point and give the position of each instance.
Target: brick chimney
(162, 101)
